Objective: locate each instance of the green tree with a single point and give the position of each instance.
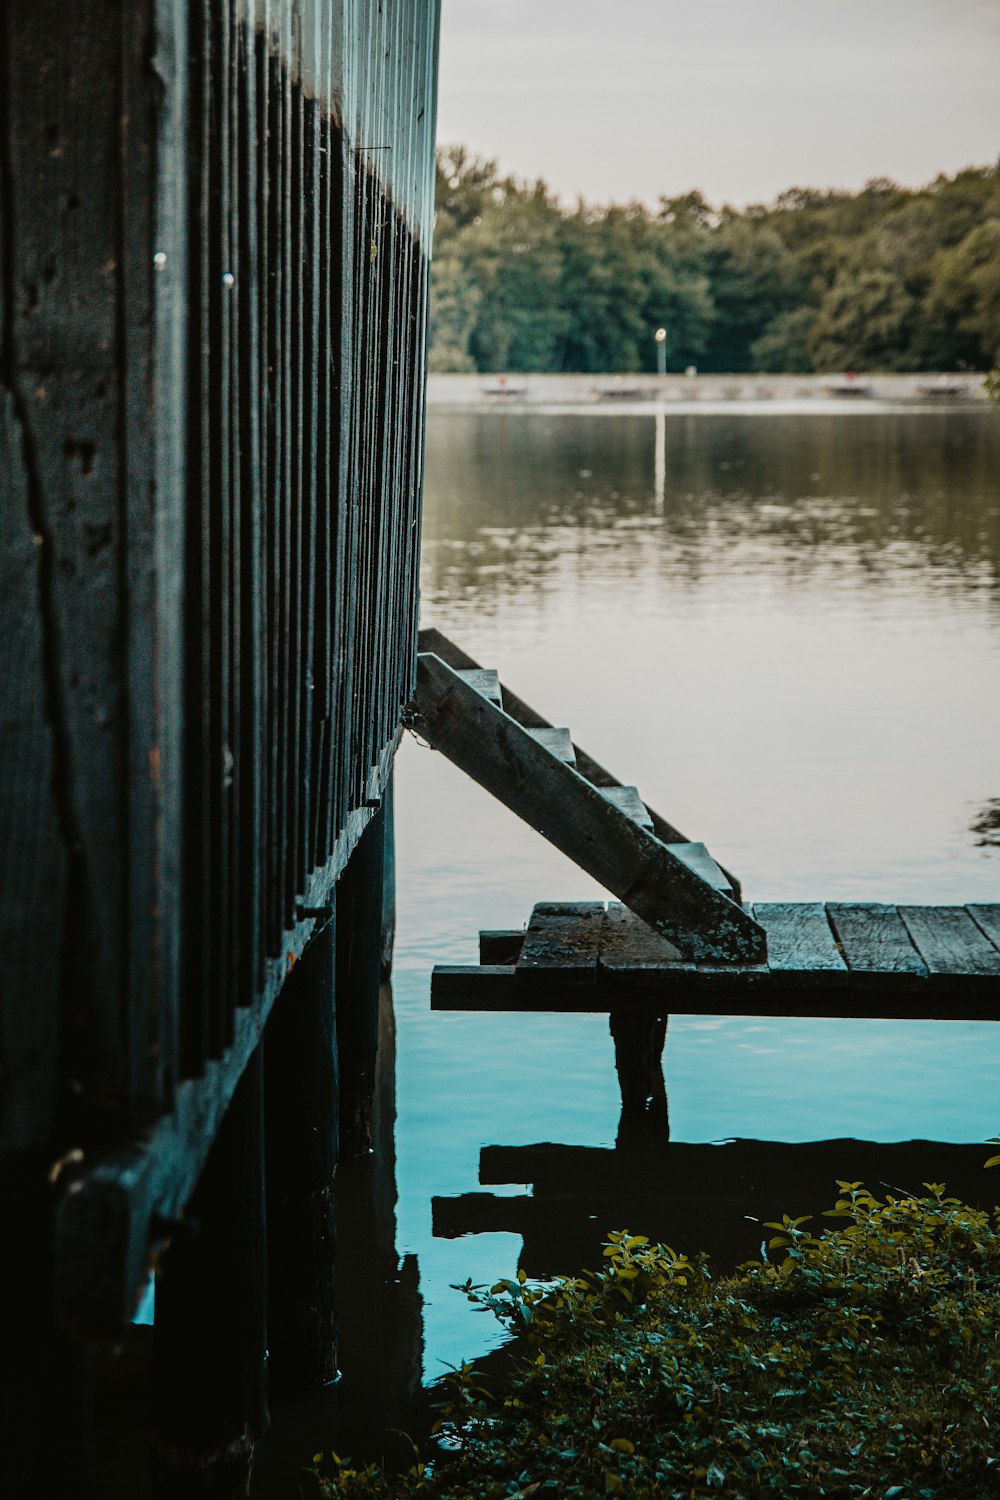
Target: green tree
(963, 300)
(864, 323)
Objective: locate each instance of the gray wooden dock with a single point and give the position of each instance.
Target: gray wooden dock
(680, 938)
(834, 959)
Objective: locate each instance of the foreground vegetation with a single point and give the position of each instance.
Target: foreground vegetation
(861, 1361)
(889, 278)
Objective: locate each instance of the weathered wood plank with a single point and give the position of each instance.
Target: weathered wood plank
(501, 946)
(987, 917)
(734, 990)
(485, 681)
(698, 859)
(800, 944)
(562, 943)
(503, 757)
(876, 945)
(557, 742)
(952, 946)
(63, 282)
(631, 951)
(33, 857)
(628, 801)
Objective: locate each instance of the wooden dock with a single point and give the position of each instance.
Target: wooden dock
(860, 959)
(680, 938)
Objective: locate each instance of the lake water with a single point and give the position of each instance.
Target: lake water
(784, 627)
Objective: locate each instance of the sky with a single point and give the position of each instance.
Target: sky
(622, 99)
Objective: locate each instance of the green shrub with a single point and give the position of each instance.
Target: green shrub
(860, 1361)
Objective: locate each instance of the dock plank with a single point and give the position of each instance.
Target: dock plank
(986, 917)
(876, 945)
(632, 951)
(562, 943)
(952, 945)
(501, 945)
(801, 948)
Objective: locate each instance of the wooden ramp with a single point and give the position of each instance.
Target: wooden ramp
(671, 882)
(837, 959)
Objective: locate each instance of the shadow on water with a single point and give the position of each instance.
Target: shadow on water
(693, 1197)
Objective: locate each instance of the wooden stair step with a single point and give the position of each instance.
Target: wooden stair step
(628, 801)
(533, 771)
(698, 859)
(485, 681)
(557, 742)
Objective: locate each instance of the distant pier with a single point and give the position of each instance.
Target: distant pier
(629, 392)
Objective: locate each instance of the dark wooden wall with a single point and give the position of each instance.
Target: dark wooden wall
(214, 258)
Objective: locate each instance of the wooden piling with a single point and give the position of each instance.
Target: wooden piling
(301, 1132)
(388, 876)
(209, 1403)
(359, 894)
(639, 1035)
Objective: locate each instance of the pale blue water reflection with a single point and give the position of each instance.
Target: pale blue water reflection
(785, 628)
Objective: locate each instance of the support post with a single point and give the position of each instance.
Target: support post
(388, 875)
(639, 1036)
(46, 1393)
(301, 1130)
(209, 1404)
(359, 895)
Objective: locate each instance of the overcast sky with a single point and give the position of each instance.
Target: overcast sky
(618, 99)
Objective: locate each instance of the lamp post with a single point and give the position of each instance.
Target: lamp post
(661, 351)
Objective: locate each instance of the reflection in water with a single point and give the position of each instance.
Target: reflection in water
(378, 1400)
(871, 495)
(660, 463)
(795, 658)
(986, 825)
(711, 1198)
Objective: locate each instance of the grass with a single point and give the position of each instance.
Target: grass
(862, 1360)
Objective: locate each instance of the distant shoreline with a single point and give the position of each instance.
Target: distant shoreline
(640, 392)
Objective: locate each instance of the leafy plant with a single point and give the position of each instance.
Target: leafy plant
(860, 1360)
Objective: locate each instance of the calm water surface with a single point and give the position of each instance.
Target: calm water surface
(784, 627)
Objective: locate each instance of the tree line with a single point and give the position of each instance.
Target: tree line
(888, 278)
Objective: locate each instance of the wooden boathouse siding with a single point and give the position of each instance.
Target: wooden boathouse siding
(214, 253)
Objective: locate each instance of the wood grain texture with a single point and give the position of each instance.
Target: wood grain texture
(562, 943)
(953, 946)
(632, 951)
(987, 918)
(876, 944)
(800, 943)
(33, 858)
